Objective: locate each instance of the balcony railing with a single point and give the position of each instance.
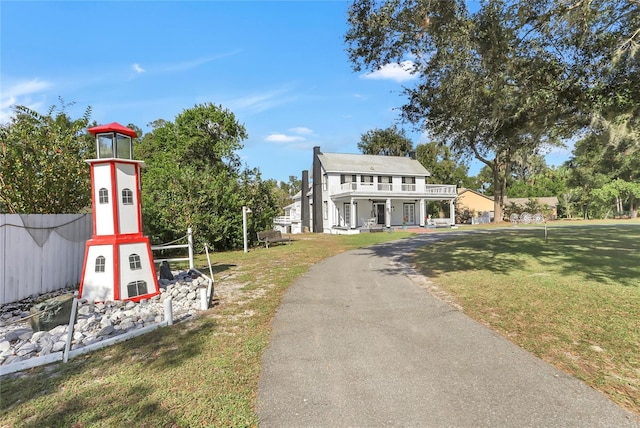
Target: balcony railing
(283, 219)
(441, 189)
(429, 189)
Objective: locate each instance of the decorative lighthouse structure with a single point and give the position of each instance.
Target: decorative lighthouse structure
(118, 264)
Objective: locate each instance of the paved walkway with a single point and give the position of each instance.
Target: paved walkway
(356, 343)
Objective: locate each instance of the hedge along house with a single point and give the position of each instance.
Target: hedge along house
(118, 264)
(352, 192)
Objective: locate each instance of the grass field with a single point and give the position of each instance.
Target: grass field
(572, 299)
(194, 374)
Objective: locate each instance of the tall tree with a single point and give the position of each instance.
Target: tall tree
(442, 164)
(443, 168)
(487, 86)
(42, 168)
(387, 142)
(194, 179)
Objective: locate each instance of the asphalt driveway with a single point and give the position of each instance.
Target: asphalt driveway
(357, 343)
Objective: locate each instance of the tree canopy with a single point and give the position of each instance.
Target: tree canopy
(42, 168)
(194, 179)
(387, 142)
(507, 78)
(442, 164)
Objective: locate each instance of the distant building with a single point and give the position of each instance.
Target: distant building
(473, 207)
(353, 192)
(550, 203)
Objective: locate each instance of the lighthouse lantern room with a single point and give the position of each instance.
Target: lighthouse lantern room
(118, 264)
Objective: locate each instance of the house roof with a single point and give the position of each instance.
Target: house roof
(111, 127)
(462, 190)
(371, 164)
(551, 201)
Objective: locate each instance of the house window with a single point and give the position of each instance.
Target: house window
(325, 210)
(127, 197)
(136, 288)
(384, 183)
(345, 178)
(367, 180)
(103, 196)
(351, 179)
(325, 182)
(347, 214)
(409, 184)
(100, 262)
(134, 262)
(409, 214)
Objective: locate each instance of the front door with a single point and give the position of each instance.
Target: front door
(409, 214)
(380, 213)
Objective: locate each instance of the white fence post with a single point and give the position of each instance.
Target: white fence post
(72, 322)
(168, 311)
(190, 241)
(171, 245)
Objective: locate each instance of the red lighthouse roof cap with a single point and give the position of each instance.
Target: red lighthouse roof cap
(113, 127)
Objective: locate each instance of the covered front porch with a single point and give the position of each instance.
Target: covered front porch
(357, 214)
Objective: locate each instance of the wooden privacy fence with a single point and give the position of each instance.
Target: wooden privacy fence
(40, 253)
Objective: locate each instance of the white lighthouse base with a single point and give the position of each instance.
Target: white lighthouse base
(118, 269)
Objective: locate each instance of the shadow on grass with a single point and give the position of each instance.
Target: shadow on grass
(608, 254)
(154, 352)
(118, 405)
(217, 268)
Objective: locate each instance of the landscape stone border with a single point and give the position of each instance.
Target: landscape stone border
(95, 322)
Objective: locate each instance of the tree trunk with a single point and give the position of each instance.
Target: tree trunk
(499, 186)
(633, 208)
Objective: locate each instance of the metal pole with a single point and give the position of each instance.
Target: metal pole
(244, 227)
(190, 241)
(545, 231)
(210, 289)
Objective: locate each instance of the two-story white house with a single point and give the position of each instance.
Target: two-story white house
(354, 192)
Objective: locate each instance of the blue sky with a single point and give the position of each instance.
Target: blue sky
(280, 67)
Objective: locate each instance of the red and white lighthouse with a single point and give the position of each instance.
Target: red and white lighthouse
(118, 264)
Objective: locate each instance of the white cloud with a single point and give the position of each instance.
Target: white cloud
(301, 130)
(398, 72)
(21, 94)
(282, 138)
(260, 102)
(26, 88)
(190, 64)
(138, 69)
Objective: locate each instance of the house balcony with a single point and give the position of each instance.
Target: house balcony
(396, 191)
(282, 220)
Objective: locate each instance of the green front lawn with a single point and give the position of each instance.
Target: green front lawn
(573, 300)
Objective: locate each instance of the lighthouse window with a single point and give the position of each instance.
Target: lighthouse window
(100, 264)
(136, 288)
(103, 196)
(127, 196)
(134, 262)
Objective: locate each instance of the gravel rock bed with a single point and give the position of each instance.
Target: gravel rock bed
(94, 321)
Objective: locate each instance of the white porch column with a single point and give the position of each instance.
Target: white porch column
(423, 212)
(387, 214)
(353, 220)
(452, 212)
